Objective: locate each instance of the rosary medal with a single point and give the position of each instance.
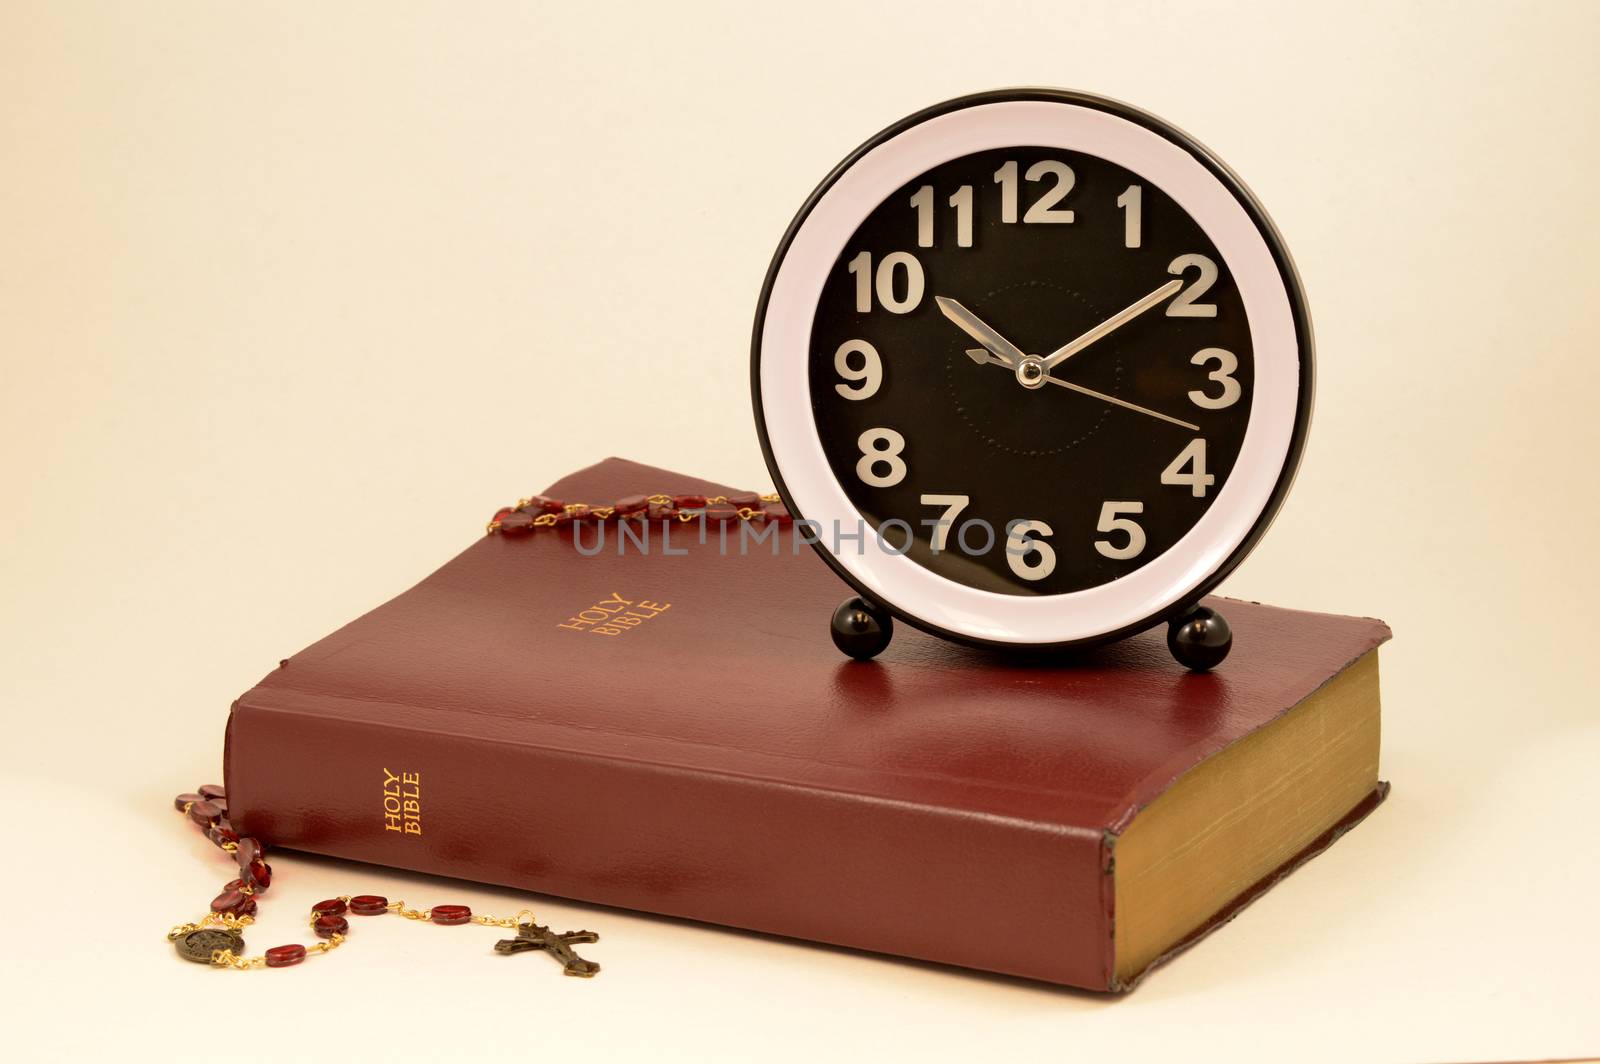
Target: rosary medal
(201, 944)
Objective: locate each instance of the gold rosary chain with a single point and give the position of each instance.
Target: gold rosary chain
(217, 938)
(573, 510)
(226, 958)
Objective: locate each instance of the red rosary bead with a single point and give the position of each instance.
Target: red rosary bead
(249, 852)
(744, 500)
(631, 505)
(368, 904)
(222, 832)
(203, 813)
(236, 902)
(515, 523)
(285, 956)
(450, 914)
(182, 800)
(331, 907)
(260, 875)
(330, 924)
(689, 502)
(540, 504)
(212, 791)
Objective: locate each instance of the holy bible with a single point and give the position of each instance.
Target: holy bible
(670, 728)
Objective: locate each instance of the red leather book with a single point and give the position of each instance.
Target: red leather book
(713, 757)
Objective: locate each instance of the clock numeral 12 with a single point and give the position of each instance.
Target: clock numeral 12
(1044, 209)
(1196, 479)
(883, 282)
(961, 201)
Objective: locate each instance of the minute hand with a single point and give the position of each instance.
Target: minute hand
(1116, 321)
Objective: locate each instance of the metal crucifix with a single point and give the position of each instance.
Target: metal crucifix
(559, 946)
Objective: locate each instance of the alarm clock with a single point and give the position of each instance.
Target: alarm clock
(1034, 370)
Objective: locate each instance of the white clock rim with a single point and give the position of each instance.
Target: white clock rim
(901, 583)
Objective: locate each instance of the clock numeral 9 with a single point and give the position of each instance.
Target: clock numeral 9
(961, 201)
(1112, 521)
(883, 281)
(1044, 209)
(1183, 304)
(867, 378)
(1227, 366)
(1020, 544)
(881, 447)
(1196, 478)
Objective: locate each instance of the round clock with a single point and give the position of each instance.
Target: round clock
(1035, 369)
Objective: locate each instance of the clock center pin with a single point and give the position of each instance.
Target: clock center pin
(1031, 372)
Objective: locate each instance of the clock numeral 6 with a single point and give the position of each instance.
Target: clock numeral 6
(867, 378)
(1020, 544)
(1196, 479)
(881, 447)
(1227, 366)
(1112, 521)
(953, 505)
(883, 282)
(1183, 304)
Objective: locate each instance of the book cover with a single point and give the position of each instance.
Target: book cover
(673, 731)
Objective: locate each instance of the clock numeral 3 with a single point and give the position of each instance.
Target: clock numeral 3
(1183, 304)
(867, 378)
(881, 447)
(1227, 366)
(1196, 479)
(883, 282)
(1044, 210)
(1020, 544)
(1112, 521)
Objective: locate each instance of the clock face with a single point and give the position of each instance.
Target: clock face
(1035, 368)
(1031, 370)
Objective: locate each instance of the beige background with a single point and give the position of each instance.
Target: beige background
(292, 295)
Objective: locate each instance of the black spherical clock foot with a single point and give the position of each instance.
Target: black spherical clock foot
(861, 629)
(1200, 638)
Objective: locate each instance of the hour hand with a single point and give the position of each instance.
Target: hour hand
(1007, 352)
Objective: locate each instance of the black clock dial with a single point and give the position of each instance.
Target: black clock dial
(955, 409)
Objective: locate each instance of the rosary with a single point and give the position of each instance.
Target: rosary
(217, 938)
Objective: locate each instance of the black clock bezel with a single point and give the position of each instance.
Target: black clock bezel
(1258, 216)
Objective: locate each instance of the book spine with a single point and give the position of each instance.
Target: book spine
(986, 892)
